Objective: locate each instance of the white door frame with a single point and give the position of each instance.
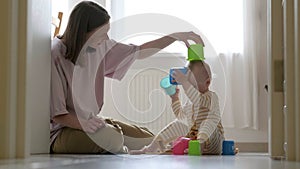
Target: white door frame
(25, 77)
(275, 78)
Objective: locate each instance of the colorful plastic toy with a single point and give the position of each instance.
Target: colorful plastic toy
(194, 148)
(195, 52)
(182, 69)
(180, 145)
(228, 147)
(169, 88)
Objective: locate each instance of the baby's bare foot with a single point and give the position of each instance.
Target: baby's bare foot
(137, 152)
(153, 148)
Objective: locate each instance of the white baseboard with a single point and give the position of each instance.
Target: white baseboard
(252, 147)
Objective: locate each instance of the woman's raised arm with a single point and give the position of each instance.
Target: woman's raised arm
(150, 48)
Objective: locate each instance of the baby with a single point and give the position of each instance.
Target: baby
(198, 119)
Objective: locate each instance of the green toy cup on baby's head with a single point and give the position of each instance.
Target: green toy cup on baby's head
(195, 52)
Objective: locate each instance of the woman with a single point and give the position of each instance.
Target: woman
(73, 128)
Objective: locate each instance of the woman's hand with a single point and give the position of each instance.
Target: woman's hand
(71, 120)
(92, 124)
(185, 36)
(150, 48)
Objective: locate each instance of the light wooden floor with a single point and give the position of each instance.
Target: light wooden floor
(241, 161)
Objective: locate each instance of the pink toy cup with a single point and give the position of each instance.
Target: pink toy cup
(180, 145)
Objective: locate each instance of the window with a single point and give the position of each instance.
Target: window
(66, 6)
(221, 21)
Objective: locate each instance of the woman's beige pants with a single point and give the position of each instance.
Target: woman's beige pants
(115, 138)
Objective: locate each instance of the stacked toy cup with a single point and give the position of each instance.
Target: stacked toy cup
(169, 88)
(195, 52)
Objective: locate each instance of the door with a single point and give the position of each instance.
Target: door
(284, 76)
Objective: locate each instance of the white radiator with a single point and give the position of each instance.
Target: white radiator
(138, 99)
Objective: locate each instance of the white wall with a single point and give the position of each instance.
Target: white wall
(38, 70)
(38, 73)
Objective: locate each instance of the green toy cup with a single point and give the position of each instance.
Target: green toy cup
(194, 148)
(169, 88)
(195, 52)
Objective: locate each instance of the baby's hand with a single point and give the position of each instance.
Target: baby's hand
(176, 95)
(179, 76)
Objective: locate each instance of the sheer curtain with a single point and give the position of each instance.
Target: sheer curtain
(237, 31)
(244, 72)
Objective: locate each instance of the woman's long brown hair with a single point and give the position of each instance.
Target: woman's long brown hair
(85, 17)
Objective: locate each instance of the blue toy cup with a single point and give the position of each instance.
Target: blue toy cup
(228, 147)
(169, 88)
(182, 69)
